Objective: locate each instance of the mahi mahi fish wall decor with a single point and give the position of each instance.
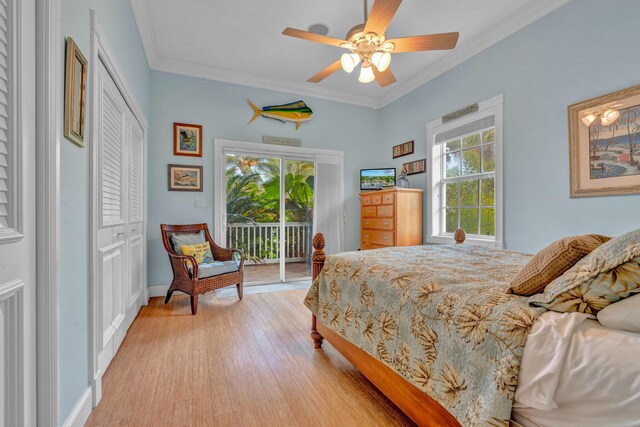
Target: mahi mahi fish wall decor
(296, 112)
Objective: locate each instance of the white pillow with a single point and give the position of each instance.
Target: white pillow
(623, 315)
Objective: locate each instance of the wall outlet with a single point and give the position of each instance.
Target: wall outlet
(200, 203)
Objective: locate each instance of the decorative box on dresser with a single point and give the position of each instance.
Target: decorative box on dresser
(390, 217)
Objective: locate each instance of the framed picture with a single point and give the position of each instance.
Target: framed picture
(185, 178)
(75, 94)
(412, 168)
(187, 140)
(604, 144)
(403, 149)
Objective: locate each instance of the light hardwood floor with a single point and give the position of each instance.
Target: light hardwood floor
(236, 363)
(271, 272)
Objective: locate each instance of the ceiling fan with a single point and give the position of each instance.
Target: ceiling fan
(367, 45)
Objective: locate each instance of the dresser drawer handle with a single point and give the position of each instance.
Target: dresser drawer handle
(385, 223)
(386, 238)
(366, 235)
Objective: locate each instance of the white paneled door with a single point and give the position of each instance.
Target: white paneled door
(120, 223)
(17, 214)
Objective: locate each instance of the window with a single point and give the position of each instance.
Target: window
(465, 176)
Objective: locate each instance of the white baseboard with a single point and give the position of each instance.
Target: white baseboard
(81, 411)
(158, 291)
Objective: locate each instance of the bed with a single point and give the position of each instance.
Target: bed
(435, 331)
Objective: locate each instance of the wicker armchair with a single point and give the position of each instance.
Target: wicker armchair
(186, 280)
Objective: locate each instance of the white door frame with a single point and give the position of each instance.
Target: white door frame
(101, 51)
(282, 152)
(49, 87)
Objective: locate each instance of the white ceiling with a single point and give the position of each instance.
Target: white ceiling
(240, 41)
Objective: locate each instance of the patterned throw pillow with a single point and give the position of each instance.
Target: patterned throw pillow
(552, 261)
(201, 252)
(179, 239)
(608, 274)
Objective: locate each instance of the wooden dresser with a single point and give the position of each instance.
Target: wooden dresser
(390, 217)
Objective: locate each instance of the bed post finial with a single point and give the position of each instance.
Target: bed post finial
(317, 258)
(459, 236)
(318, 254)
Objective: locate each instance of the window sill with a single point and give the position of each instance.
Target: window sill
(448, 240)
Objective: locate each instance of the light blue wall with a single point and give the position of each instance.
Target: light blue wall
(583, 50)
(223, 111)
(116, 18)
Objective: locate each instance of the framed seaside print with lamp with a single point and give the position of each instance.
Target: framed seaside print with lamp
(604, 144)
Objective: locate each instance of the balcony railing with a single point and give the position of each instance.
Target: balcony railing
(260, 242)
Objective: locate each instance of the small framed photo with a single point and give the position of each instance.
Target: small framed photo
(412, 168)
(75, 94)
(185, 178)
(604, 144)
(187, 140)
(403, 149)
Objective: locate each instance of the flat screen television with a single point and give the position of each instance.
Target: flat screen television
(377, 179)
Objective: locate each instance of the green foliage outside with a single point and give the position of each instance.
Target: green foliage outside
(470, 204)
(253, 197)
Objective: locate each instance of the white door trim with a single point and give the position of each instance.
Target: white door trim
(49, 87)
(101, 51)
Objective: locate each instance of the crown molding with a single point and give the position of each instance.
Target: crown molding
(143, 19)
(178, 66)
(503, 29)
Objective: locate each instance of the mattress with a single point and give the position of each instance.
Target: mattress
(576, 372)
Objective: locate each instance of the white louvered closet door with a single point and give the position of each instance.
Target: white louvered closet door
(113, 133)
(17, 214)
(136, 210)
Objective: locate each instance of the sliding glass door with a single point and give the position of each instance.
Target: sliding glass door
(298, 217)
(269, 215)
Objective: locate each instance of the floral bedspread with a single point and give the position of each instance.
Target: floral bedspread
(437, 315)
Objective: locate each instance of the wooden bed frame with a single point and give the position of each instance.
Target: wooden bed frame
(416, 404)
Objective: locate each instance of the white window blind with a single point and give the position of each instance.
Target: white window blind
(468, 128)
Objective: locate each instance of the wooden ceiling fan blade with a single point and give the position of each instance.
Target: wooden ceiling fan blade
(442, 41)
(384, 78)
(381, 15)
(318, 77)
(306, 35)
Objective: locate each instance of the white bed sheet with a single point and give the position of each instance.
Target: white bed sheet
(576, 372)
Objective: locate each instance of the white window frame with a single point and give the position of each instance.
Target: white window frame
(435, 220)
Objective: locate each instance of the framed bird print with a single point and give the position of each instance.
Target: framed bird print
(187, 140)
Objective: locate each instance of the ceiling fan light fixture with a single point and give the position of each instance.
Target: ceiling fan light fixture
(388, 46)
(366, 74)
(349, 61)
(381, 60)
